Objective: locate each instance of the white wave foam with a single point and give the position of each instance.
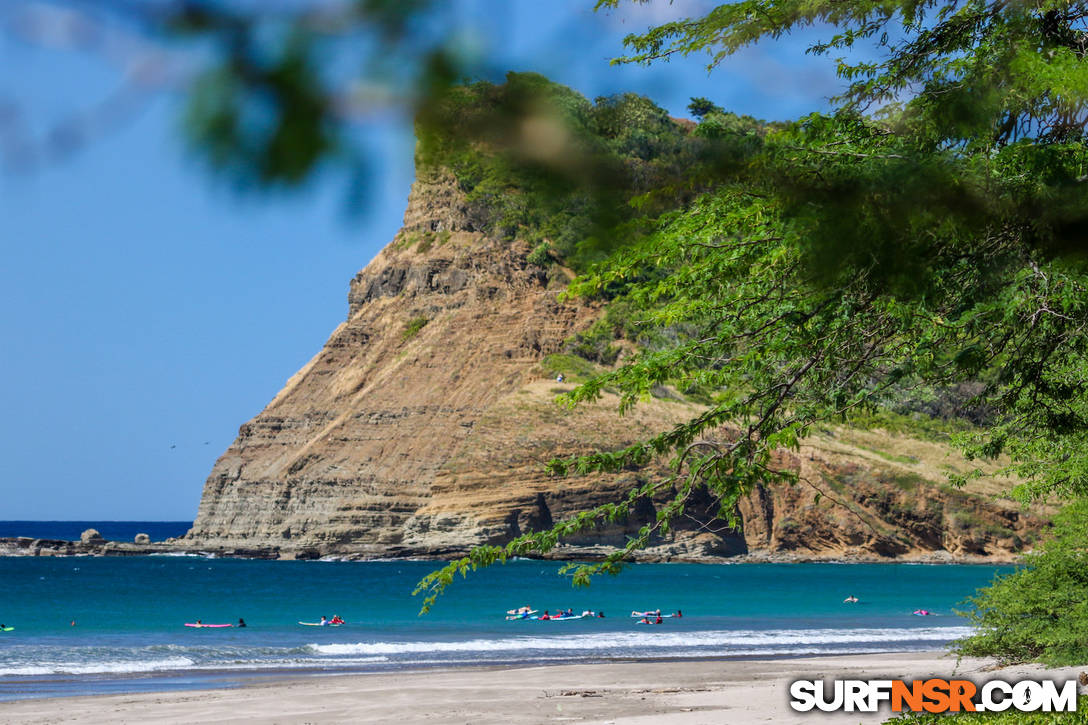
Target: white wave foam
(175, 663)
(605, 642)
(100, 668)
(288, 664)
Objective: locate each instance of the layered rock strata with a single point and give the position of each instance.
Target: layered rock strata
(422, 426)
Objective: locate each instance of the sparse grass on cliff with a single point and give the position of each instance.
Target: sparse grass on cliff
(413, 326)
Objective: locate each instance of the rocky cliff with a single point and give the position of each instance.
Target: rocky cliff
(422, 426)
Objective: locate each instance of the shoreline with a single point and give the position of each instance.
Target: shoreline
(206, 679)
(25, 546)
(630, 692)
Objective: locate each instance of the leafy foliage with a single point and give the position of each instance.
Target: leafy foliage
(700, 107)
(540, 162)
(271, 105)
(1039, 612)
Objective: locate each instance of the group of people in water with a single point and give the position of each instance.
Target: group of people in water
(653, 616)
(336, 619)
(569, 613)
(528, 612)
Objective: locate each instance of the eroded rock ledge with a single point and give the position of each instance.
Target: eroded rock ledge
(28, 546)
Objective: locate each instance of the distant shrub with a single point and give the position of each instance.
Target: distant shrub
(700, 107)
(788, 526)
(413, 326)
(573, 368)
(426, 242)
(1038, 613)
(595, 344)
(541, 255)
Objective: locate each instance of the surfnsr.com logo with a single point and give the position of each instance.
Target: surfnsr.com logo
(933, 695)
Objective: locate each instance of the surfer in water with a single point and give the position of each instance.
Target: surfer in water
(850, 599)
(241, 622)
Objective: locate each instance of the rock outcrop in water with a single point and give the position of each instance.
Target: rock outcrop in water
(29, 546)
(422, 426)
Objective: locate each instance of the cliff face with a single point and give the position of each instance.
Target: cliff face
(442, 324)
(422, 427)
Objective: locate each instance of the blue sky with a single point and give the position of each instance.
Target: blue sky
(149, 309)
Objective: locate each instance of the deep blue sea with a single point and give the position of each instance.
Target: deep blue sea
(112, 530)
(129, 615)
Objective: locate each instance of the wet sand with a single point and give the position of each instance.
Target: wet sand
(628, 693)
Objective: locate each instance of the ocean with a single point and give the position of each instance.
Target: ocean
(112, 530)
(129, 614)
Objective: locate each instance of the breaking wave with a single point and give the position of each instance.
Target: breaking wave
(655, 643)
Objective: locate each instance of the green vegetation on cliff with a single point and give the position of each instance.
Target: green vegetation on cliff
(1040, 612)
(538, 161)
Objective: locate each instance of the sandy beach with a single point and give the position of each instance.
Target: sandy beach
(675, 693)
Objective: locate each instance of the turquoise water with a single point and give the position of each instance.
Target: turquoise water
(129, 615)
